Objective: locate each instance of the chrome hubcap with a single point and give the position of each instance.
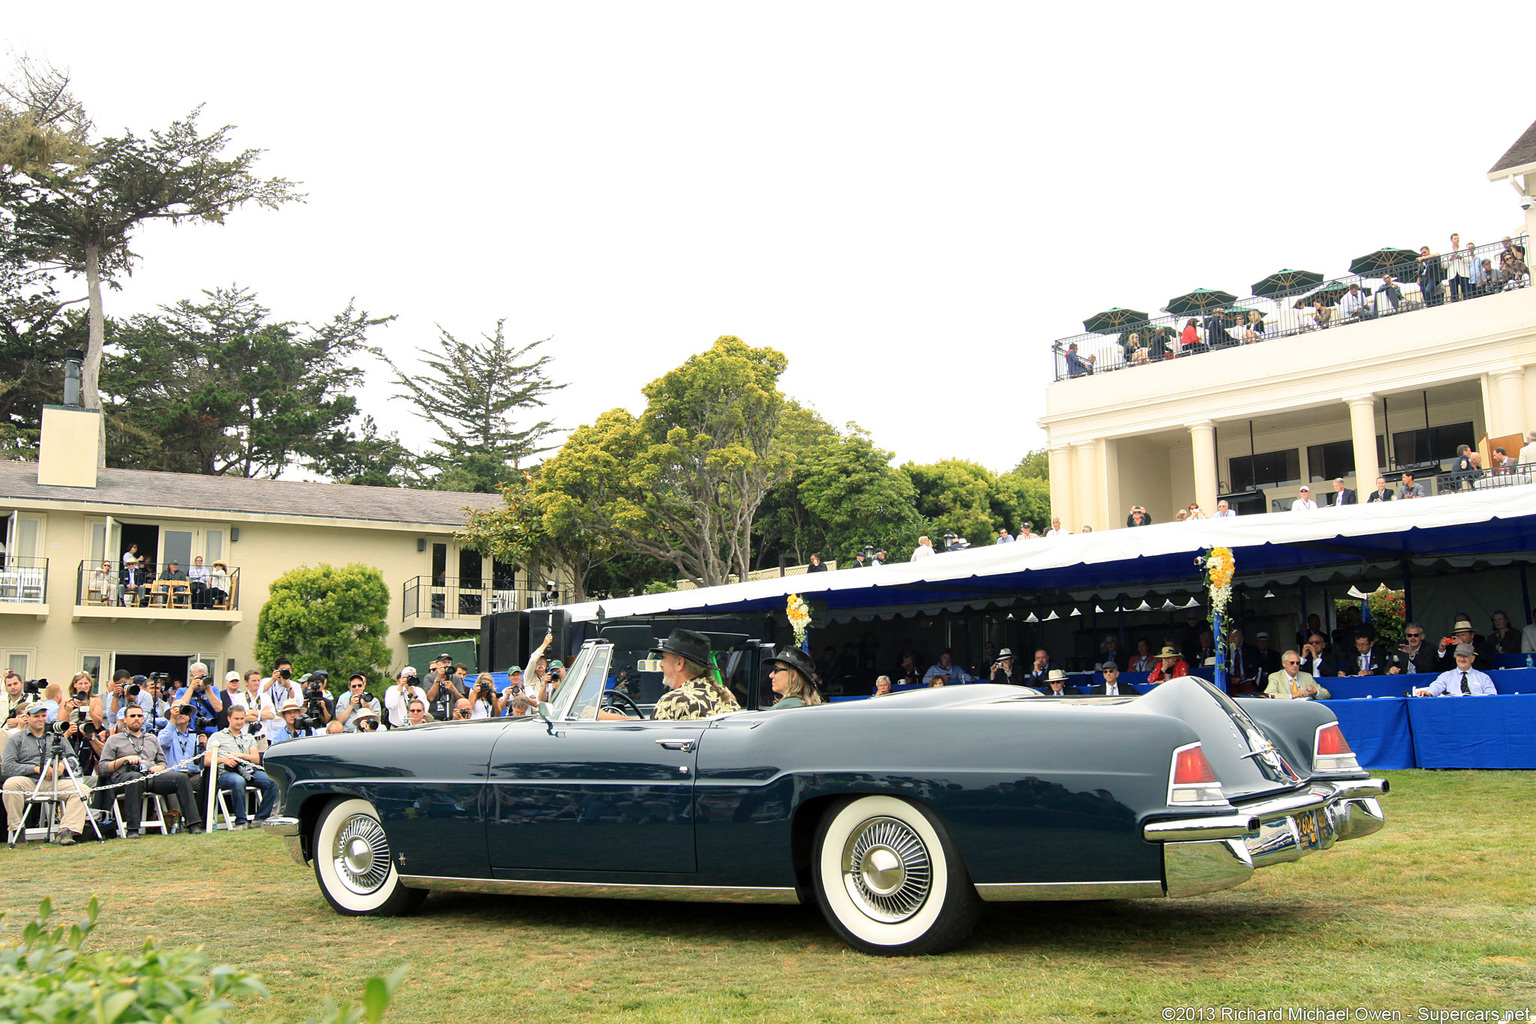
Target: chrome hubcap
(361, 854)
(886, 870)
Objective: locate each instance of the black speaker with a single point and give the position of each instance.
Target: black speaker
(554, 620)
(502, 641)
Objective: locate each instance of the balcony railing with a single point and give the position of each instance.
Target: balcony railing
(109, 587)
(453, 597)
(23, 580)
(1157, 339)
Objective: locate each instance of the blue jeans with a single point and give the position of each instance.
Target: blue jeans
(231, 783)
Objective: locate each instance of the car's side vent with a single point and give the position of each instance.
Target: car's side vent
(1192, 780)
(1331, 752)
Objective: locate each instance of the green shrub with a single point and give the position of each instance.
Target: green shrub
(46, 979)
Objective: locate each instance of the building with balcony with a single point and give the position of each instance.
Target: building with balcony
(1354, 393)
(63, 518)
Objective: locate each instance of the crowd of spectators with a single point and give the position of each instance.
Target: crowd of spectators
(149, 734)
(135, 583)
(1460, 272)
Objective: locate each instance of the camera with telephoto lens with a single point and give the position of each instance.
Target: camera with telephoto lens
(367, 724)
(33, 687)
(131, 690)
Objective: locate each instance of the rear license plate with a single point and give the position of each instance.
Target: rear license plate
(1315, 829)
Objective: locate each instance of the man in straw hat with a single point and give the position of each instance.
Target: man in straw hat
(1002, 668)
(1056, 685)
(1169, 666)
(1461, 633)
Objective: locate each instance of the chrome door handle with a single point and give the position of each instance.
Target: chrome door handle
(686, 746)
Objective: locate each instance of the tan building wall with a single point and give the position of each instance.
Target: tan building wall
(1473, 361)
(60, 635)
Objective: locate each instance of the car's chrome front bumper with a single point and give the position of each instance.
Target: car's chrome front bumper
(1212, 853)
(288, 828)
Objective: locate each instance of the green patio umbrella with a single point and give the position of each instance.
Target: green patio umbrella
(1198, 301)
(1287, 282)
(1330, 293)
(1374, 264)
(1112, 320)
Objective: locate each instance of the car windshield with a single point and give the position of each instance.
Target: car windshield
(584, 682)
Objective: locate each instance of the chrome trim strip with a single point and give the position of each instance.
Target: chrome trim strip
(1195, 868)
(1360, 789)
(603, 890)
(1009, 892)
(1221, 826)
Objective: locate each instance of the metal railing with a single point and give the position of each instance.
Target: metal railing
(23, 580)
(1159, 338)
(110, 587)
(454, 597)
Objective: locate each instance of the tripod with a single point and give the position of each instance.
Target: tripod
(54, 757)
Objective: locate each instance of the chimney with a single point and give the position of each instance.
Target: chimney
(66, 455)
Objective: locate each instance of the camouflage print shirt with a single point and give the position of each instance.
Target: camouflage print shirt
(697, 698)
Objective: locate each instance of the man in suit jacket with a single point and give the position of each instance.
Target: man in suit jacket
(1367, 660)
(1290, 683)
(1316, 659)
(1056, 685)
(1414, 655)
(1111, 685)
(1381, 493)
(1343, 495)
(1242, 663)
(1038, 671)
(1268, 657)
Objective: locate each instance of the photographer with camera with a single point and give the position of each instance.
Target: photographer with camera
(204, 699)
(416, 714)
(82, 710)
(134, 756)
(316, 700)
(281, 688)
(398, 696)
(513, 690)
(233, 755)
(485, 702)
(124, 691)
(13, 702)
(183, 749)
(443, 687)
(297, 721)
(366, 720)
(24, 771)
(355, 700)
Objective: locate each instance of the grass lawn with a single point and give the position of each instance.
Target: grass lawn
(1438, 910)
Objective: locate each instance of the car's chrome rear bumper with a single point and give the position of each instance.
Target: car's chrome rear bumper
(288, 828)
(1212, 853)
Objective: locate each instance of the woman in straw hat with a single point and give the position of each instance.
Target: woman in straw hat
(1169, 666)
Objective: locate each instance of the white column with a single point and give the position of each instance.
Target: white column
(1362, 432)
(1508, 413)
(1087, 461)
(1202, 437)
(1063, 494)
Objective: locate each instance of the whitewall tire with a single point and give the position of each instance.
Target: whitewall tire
(354, 864)
(890, 880)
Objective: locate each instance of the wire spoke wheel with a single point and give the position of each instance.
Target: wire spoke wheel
(887, 870)
(890, 879)
(354, 863)
(361, 854)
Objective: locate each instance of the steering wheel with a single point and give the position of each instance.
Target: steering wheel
(621, 702)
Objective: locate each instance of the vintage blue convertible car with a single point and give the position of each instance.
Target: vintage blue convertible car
(897, 815)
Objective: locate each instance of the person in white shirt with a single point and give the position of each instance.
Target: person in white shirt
(397, 697)
(1003, 537)
(1461, 681)
(1304, 502)
(1353, 305)
(1055, 530)
(923, 550)
(197, 580)
(1223, 510)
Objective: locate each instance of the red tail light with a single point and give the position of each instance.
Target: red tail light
(1191, 767)
(1192, 781)
(1331, 751)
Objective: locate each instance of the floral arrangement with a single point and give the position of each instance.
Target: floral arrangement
(799, 617)
(1219, 569)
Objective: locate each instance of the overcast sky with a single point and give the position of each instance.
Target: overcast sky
(911, 201)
